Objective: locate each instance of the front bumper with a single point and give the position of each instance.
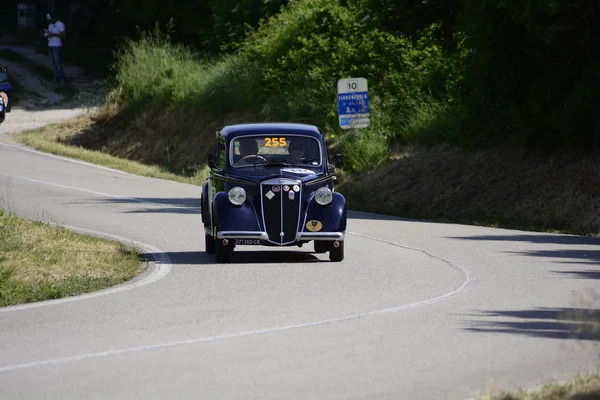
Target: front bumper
(300, 236)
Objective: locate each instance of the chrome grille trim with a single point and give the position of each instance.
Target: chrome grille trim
(280, 182)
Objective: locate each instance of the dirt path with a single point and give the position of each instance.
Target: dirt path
(41, 103)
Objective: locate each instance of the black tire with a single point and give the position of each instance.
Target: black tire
(322, 246)
(222, 252)
(337, 253)
(209, 243)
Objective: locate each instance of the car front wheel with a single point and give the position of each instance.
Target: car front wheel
(209, 244)
(337, 253)
(223, 251)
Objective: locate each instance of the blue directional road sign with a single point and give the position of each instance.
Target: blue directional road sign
(353, 103)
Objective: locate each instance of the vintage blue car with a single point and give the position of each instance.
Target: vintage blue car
(272, 184)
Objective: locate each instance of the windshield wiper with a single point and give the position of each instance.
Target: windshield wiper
(272, 164)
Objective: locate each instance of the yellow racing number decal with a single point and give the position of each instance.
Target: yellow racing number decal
(275, 142)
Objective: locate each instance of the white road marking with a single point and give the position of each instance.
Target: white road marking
(163, 271)
(27, 149)
(461, 288)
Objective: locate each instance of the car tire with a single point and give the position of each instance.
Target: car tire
(337, 253)
(209, 244)
(322, 246)
(222, 252)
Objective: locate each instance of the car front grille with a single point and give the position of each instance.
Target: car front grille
(281, 205)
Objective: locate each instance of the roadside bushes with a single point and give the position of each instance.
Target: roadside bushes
(287, 70)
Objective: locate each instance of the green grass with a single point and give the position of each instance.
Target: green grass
(583, 387)
(41, 262)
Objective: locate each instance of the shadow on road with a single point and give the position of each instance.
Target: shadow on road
(174, 205)
(575, 256)
(562, 255)
(239, 257)
(534, 238)
(552, 323)
(583, 274)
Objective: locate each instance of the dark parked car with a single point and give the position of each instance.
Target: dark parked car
(6, 90)
(272, 184)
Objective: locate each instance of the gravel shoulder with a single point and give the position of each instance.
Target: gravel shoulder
(40, 103)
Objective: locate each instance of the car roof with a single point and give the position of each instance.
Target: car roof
(232, 131)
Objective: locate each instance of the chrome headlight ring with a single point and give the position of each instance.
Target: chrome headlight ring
(323, 196)
(237, 196)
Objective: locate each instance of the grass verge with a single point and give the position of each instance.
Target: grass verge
(41, 262)
(52, 138)
(583, 387)
(501, 187)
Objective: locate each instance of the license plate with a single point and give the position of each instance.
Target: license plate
(247, 241)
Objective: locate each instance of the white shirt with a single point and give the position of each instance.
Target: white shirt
(55, 28)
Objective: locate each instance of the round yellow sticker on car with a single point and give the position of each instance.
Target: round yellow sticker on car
(314, 225)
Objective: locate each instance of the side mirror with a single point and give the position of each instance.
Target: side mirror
(212, 162)
(338, 160)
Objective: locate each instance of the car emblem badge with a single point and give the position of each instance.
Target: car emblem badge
(269, 195)
(286, 188)
(281, 181)
(296, 188)
(314, 225)
(276, 189)
(291, 195)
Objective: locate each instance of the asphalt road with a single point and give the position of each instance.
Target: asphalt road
(417, 310)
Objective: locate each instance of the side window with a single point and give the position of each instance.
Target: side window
(222, 153)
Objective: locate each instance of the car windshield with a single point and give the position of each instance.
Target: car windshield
(275, 150)
(3, 76)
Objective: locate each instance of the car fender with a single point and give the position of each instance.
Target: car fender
(332, 217)
(229, 217)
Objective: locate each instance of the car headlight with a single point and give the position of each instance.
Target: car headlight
(237, 196)
(323, 196)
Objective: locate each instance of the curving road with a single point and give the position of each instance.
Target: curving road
(416, 311)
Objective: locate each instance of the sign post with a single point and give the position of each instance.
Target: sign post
(353, 103)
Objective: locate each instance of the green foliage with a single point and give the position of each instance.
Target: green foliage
(152, 70)
(455, 71)
(364, 151)
(532, 72)
(234, 19)
(339, 43)
(270, 77)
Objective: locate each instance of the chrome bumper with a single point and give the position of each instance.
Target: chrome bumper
(242, 235)
(332, 236)
(320, 236)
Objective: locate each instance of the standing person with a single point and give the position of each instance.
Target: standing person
(56, 34)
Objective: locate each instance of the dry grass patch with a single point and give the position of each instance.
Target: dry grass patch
(160, 142)
(585, 387)
(57, 138)
(41, 262)
(500, 187)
